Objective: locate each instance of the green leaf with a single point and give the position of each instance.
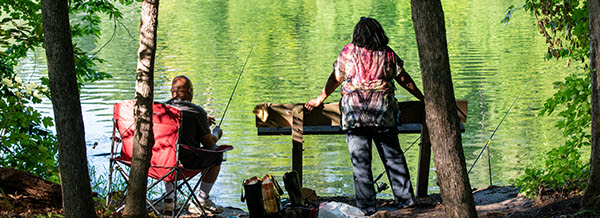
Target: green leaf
(47, 121)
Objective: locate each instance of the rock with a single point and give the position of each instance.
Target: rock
(29, 189)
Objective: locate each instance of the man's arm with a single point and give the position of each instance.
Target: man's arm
(210, 140)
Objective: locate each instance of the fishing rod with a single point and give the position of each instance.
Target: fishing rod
(493, 133)
(236, 84)
(384, 186)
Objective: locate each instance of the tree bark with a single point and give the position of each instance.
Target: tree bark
(440, 107)
(72, 158)
(590, 197)
(135, 205)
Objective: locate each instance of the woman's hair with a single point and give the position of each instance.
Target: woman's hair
(369, 33)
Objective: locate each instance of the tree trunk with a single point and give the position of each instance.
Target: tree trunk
(144, 95)
(440, 107)
(72, 159)
(590, 196)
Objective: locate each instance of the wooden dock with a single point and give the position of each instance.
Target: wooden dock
(294, 120)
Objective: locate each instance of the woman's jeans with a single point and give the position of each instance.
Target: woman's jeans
(386, 140)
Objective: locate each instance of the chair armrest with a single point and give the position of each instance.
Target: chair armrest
(219, 149)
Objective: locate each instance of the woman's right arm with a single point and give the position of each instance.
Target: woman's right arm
(332, 83)
(408, 83)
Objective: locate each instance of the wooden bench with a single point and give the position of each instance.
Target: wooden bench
(293, 119)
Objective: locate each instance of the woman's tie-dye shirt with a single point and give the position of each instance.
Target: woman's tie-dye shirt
(368, 87)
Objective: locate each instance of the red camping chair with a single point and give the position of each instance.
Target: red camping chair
(164, 164)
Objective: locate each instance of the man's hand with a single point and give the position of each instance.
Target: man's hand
(218, 132)
(211, 120)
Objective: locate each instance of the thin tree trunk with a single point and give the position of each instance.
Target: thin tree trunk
(440, 107)
(144, 88)
(72, 159)
(591, 195)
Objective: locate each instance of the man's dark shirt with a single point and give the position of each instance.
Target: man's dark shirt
(194, 122)
(194, 125)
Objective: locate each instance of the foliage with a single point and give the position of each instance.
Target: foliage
(24, 126)
(565, 26)
(99, 184)
(563, 168)
(586, 213)
(26, 143)
(4, 203)
(574, 95)
(49, 215)
(117, 192)
(562, 171)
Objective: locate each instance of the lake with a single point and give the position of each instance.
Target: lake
(295, 45)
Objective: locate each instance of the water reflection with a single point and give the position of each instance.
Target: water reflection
(296, 43)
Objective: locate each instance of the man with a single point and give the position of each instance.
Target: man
(195, 132)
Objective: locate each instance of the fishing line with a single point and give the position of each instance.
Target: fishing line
(236, 84)
(490, 139)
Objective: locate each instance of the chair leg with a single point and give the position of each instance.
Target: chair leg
(177, 190)
(192, 196)
(151, 204)
(126, 178)
(109, 192)
(109, 188)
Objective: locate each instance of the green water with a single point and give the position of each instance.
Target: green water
(295, 45)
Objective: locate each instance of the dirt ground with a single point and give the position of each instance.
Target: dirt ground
(38, 197)
(493, 201)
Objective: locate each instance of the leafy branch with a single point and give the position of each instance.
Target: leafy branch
(27, 142)
(564, 24)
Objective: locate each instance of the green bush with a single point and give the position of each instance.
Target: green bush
(562, 171)
(564, 25)
(26, 143)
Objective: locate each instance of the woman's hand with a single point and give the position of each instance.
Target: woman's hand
(333, 82)
(313, 103)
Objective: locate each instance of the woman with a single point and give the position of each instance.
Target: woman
(366, 69)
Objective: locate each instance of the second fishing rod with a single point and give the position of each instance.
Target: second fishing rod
(236, 84)
(487, 143)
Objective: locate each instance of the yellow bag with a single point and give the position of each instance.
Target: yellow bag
(271, 193)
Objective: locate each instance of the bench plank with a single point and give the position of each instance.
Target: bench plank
(276, 119)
